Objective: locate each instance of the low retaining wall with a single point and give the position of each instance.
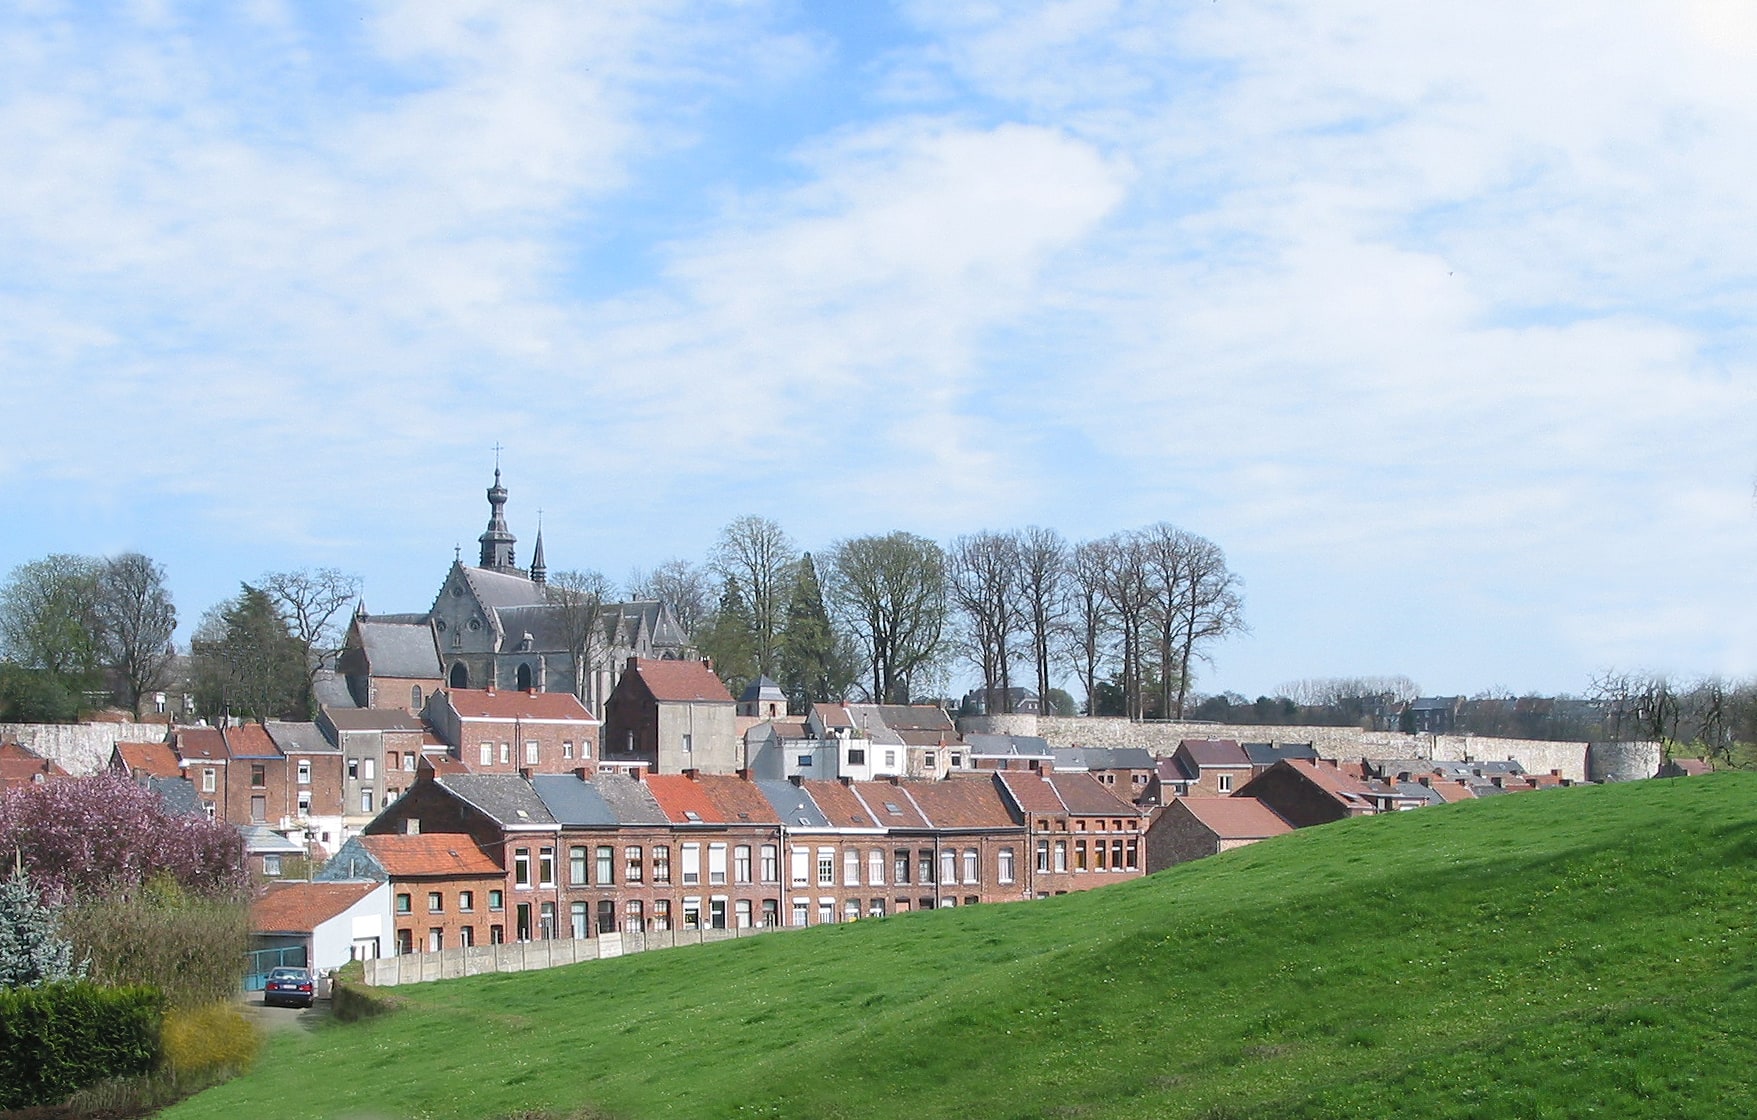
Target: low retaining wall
(529, 956)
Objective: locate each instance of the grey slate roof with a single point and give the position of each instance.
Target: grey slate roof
(762, 688)
(298, 738)
(545, 625)
(508, 798)
(1268, 754)
(792, 803)
(399, 649)
(1029, 746)
(574, 803)
(259, 841)
(1101, 758)
(331, 691)
(499, 590)
(629, 799)
(374, 719)
(178, 796)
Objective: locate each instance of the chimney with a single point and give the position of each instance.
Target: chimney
(743, 774)
(582, 773)
(525, 773)
(490, 688)
(796, 779)
(633, 663)
(693, 774)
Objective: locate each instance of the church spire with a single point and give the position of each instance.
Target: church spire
(498, 540)
(539, 570)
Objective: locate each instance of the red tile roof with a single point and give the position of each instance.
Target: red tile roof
(680, 681)
(840, 807)
(881, 797)
(832, 715)
(251, 741)
(201, 743)
(971, 802)
(679, 796)
(430, 854)
(739, 801)
(19, 765)
(1351, 792)
(478, 703)
(1030, 793)
(1235, 818)
(302, 907)
(157, 759)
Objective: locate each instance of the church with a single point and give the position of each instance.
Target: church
(497, 625)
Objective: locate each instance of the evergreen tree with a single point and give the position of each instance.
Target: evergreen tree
(816, 663)
(248, 663)
(729, 641)
(32, 952)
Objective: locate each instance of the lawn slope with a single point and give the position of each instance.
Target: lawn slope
(1579, 952)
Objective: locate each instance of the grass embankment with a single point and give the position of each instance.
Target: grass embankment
(1580, 952)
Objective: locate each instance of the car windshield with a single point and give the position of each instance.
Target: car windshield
(287, 974)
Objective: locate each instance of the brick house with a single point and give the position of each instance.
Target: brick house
(670, 716)
(1212, 767)
(446, 892)
(1081, 835)
(141, 761)
(726, 833)
(378, 752)
(1128, 772)
(1306, 793)
(1195, 827)
(616, 845)
(497, 732)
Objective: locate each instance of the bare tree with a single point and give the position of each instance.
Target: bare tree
(1090, 622)
(135, 620)
(682, 586)
(1209, 607)
(758, 555)
(313, 603)
(1043, 564)
(890, 592)
(578, 600)
(983, 577)
(1125, 583)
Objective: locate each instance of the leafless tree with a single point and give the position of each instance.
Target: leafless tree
(1043, 563)
(1089, 624)
(1125, 583)
(313, 603)
(680, 585)
(983, 575)
(890, 592)
(578, 599)
(1209, 608)
(134, 623)
(757, 555)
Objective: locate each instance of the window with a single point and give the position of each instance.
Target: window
(207, 781)
(856, 756)
(1133, 856)
(771, 863)
(466, 901)
(546, 920)
(930, 759)
(405, 942)
(890, 760)
(692, 913)
(578, 914)
(305, 771)
(567, 748)
(521, 867)
(661, 914)
(435, 939)
(304, 802)
(741, 913)
(661, 863)
(826, 911)
(924, 866)
(1225, 781)
(606, 861)
(771, 913)
(505, 753)
(851, 910)
(546, 867)
(900, 866)
(717, 869)
(366, 767)
(1043, 855)
(606, 915)
(496, 935)
(409, 762)
(801, 908)
(688, 742)
(487, 755)
(875, 907)
(631, 864)
(741, 864)
(531, 752)
(805, 761)
(801, 869)
(1061, 855)
(875, 868)
(403, 903)
(717, 913)
(435, 902)
(949, 865)
(692, 864)
(1116, 855)
(415, 697)
(970, 865)
(259, 809)
(497, 900)
(466, 937)
(576, 866)
(1006, 865)
(391, 761)
(826, 866)
(1079, 855)
(851, 868)
(633, 918)
(271, 863)
(1100, 855)
(258, 775)
(366, 801)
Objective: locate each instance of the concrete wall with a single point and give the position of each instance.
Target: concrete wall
(529, 956)
(80, 748)
(1618, 760)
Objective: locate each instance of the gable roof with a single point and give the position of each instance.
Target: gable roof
(1214, 752)
(302, 907)
(739, 800)
(684, 800)
(832, 715)
(19, 765)
(157, 759)
(398, 648)
(1084, 793)
(1030, 793)
(203, 744)
(507, 798)
(1235, 818)
(480, 703)
(1102, 758)
(250, 741)
(429, 854)
(572, 802)
(971, 802)
(629, 798)
(1351, 792)
(298, 738)
(497, 590)
(890, 805)
(1268, 754)
(679, 681)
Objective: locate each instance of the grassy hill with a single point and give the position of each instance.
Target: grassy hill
(1584, 952)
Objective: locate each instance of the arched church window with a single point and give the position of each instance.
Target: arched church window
(524, 678)
(415, 697)
(460, 676)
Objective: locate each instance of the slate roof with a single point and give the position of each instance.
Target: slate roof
(373, 719)
(429, 854)
(264, 841)
(396, 648)
(1235, 818)
(1268, 754)
(681, 681)
(507, 798)
(477, 703)
(762, 689)
(1012, 746)
(1214, 752)
(157, 759)
(797, 806)
(299, 738)
(331, 691)
(498, 590)
(1102, 758)
(574, 803)
(177, 796)
(546, 625)
(629, 798)
(302, 907)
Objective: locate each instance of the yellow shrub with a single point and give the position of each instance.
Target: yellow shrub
(211, 1041)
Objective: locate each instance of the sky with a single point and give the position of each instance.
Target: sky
(1438, 319)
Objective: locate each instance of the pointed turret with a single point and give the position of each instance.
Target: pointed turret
(539, 570)
(497, 541)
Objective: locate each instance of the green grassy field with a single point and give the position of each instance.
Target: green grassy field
(1583, 952)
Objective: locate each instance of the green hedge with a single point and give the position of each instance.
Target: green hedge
(59, 1038)
(351, 1000)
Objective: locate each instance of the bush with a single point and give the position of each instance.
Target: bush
(351, 999)
(60, 1038)
(208, 1044)
(192, 949)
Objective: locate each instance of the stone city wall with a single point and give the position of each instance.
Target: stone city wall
(80, 748)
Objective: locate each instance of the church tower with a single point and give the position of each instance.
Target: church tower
(539, 570)
(498, 540)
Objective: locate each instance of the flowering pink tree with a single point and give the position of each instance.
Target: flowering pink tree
(106, 835)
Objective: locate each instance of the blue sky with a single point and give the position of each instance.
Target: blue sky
(1438, 320)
